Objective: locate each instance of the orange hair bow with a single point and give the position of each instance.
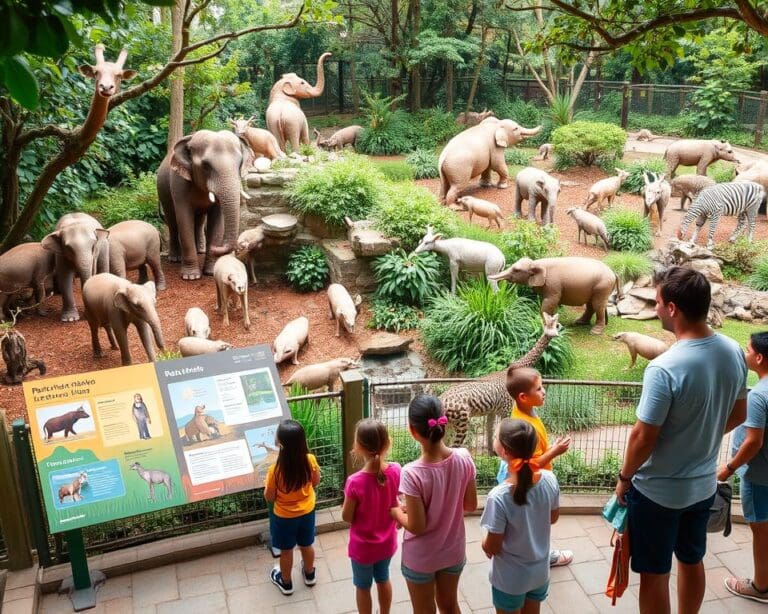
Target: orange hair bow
(517, 464)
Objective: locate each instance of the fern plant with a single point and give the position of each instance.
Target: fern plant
(394, 317)
(406, 278)
(424, 163)
(629, 230)
(759, 278)
(307, 269)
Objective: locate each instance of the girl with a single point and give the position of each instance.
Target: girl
(518, 515)
(290, 485)
(438, 487)
(369, 494)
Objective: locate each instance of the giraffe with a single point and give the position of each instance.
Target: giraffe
(488, 396)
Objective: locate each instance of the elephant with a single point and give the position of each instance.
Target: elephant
(698, 153)
(114, 303)
(570, 280)
(285, 119)
(28, 265)
(81, 248)
(134, 244)
(537, 186)
(478, 151)
(201, 177)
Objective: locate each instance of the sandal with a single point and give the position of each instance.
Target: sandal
(560, 558)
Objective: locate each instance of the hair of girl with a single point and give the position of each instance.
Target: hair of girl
(292, 470)
(423, 408)
(372, 436)
(519, 440)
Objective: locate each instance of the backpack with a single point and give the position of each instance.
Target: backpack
(720, 511)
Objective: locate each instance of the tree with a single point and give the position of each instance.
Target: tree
(72, 143)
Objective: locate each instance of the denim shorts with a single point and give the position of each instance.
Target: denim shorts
(512, 603)
(363, 575)
(419, 577)
(289, 532)
(659, 531)
(754, 501)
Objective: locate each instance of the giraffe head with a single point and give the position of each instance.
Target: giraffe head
(551, 325)
(107, 75)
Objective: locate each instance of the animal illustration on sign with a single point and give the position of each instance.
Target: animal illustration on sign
(73, 489)
(198, 426)
(64, 422)
(152, 477)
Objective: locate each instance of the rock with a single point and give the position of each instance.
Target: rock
(267, 197)
(611, 310)
(253, 180)
(646, 294)
(644, 281)
(715, 317)
(760, 305)
(630, 305)
(383, 344)
(742, 314)
(627, 287)
(685, 252)
(262, 164)
(709, 267)
(644, 314)
(347, 269)
(737, 296)
(366, 241)
(273, 179)
(280, 225)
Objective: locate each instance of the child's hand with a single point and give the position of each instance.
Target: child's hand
(561, 445)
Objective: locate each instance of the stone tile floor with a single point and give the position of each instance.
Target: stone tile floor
(236, 582)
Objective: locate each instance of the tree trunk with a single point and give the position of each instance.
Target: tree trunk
(14, 350)
(415, 11)
(449, 86)
(352, 68)
(9, 178)
(394, 82)
(478, 66)
(176, 117)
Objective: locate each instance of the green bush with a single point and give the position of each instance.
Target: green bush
(167, 355)
(521, 239)
(433, 127)
(567, 409)
(560, 112)
(589, 143)
(628, 230)
(759, 278)
(721, 171)
(405, 210)
(468, 331)
(348, 187)
(672, 125)
(395, 170)
(517, 157)
(739, 257)
(136, 201)
(407, 278)
(307, 269)
(388, 131)
(393, 316)
(713, 108)
(629, 266)
(404, 447)
(424, 163)
(524, 113)
(635, 183)
(572, 469)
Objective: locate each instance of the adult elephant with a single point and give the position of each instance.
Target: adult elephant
(478, 151)
(201, 176)
(285, 119)
(569, 280)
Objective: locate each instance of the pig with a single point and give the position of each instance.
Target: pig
(605, 189)
(342, 308)
(196, 323)
(545, 151)
(321, 374)
(340, 138)
(645, 346)
(262, 142)
(65, 422)
(589, 224)
(483, 208)
(194, 346)
(644, 135)
(231, 276)
(291, 338)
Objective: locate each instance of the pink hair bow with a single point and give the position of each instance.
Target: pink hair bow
(442, 421)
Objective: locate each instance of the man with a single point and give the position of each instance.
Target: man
(692, 394)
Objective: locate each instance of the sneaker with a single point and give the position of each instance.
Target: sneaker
(560, 558)
(309, 578)
(277, 580)
(743, 587)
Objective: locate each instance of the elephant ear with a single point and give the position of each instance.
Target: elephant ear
(181, 160)
(288, 89)
(538, 277)
(52, 242)
(151, 290)
(120, 300)
(248, 157)
(500, 136)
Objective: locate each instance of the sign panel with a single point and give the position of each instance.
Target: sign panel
(120, 442)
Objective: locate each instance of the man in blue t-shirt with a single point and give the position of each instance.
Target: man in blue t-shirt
(692, 394)
(749, 458)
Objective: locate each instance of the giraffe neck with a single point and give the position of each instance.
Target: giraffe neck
(97, 115)
(533, 354)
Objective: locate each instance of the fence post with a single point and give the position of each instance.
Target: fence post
(28, 479)
(351, 412)
(650, 99)
(15, 532)
(760, 118)
(341, 86)
(625, 105)
(598, 95)
(683, 95)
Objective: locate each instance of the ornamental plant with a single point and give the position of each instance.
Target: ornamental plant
(589, 143)
(307, 269)
(628, 230)
(407, 278)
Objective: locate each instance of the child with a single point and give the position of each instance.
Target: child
(518, 515)
(290, 484)
(525, 387)
(369, 494)
(141, 416)
(438, 487)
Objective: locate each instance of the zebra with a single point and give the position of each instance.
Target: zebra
(742, 199)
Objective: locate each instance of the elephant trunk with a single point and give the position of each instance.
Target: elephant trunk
(157, 331)
(320, 85)
(229, 201)
(529, 132)
(85, 270)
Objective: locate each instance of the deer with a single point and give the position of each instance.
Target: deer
(152, 477)
(73, 489)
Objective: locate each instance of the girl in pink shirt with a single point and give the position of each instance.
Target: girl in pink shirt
(369, 495)
(438, 487)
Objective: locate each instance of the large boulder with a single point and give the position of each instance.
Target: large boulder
(384, 344)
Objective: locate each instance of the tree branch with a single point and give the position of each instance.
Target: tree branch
(38, 133)
(202, 58)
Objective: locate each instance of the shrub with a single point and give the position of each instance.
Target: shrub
(567, 409)
(629, 266)
(522, 238)
(722, 171)
(387, 132)
(572, 469)
(395, 170)
(739, 257)
(136, 201)
(555, 361)
(713, 107)
(407, 278)
(517, 157)
(635, 183)
(589, 143)
(759, 278)
(524, 113)
(424, 163)
(560, 112)
(628, 230)
(348, 187)
(307, 269)
(306, 149)
(673, 125)
(393, 316)
(162, 354)
(433, 127)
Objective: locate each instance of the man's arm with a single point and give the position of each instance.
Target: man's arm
(738, 415)
(641, 442)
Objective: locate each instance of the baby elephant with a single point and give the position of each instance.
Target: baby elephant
(605, 189)
(590, 225)
(482, 208)
(291, 338)
(343, 309)
(28, 265)
(645, 346)
(196, 323)
(231, 277)
(134, 244)
(321, 374)
(194, 346)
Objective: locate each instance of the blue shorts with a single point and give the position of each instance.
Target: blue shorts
(419, 577)
(289, 532)
(659, 531)
(363, 575)
(511, 603)
(754, 501)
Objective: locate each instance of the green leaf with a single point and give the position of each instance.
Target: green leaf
(49, 38)
(13, 32)
(21, 83)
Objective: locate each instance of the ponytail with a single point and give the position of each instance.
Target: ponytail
(518, 438)
(372, 437)
(425, 415)
(377, 468)
(520, 490)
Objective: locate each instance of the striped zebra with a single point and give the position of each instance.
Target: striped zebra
(742, 199)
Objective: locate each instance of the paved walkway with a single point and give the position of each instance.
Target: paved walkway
(236, 582)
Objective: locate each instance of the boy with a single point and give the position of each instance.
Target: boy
(525, 387)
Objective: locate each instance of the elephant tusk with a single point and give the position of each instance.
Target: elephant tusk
(211, 197)
(244, 194)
